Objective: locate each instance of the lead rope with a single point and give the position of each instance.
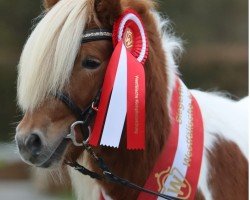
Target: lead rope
(109, 176)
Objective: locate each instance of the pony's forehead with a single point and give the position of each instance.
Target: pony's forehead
(49, 54)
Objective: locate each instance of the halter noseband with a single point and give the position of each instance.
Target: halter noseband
(85, 115)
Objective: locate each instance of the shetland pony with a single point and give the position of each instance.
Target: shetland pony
(53, 60)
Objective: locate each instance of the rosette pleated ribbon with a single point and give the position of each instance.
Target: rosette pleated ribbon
(122, 100)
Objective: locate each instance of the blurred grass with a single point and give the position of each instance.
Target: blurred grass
(66, 196)
(217, 68)
(206, 22)
(234, 80)
(2, 164)
(215, 33)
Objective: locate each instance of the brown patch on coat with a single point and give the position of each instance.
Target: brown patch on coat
(199, 195)
(228, 172)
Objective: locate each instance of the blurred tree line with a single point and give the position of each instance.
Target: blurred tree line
(215, 35)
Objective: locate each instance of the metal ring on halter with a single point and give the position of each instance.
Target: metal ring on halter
(94, 107)
(72, 134)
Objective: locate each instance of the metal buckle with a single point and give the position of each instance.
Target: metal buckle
(72, 134)
(94, 107)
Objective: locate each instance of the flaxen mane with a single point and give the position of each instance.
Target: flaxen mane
(50, 52)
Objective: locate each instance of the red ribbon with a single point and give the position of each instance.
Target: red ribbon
(135, 104)
(134, 39)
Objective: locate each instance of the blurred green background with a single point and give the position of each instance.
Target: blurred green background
(215, 35)
(214, 32)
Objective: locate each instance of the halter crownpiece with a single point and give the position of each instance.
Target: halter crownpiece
(123, 92)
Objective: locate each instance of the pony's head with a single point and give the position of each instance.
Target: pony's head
(54, 60)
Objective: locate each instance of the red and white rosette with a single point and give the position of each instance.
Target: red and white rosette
(129, 29)
(123, 93)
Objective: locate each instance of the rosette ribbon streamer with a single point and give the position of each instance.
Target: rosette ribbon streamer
(123, 93)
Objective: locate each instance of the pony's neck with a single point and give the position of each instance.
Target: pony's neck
(137, 165)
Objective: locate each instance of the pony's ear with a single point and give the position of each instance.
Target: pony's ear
(48, 4)
(107, 11)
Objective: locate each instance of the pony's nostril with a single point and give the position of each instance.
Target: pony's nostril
(34, 144)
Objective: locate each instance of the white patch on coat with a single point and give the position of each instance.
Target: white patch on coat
(225, 117)
(85, 188)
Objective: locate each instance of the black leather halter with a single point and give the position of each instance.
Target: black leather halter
(86, 115)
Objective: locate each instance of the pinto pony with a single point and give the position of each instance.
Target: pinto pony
(55, 60)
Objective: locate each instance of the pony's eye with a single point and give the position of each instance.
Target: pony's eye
(91, 63)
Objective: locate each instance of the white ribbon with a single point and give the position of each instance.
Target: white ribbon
(117, 110)
(179, 169)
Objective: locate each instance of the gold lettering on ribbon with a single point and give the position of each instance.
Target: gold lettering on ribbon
(136, 128)
(161, 178)
(189, 137)
(182, 189)
(175, 186)
(189, 132)
(181, 107)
